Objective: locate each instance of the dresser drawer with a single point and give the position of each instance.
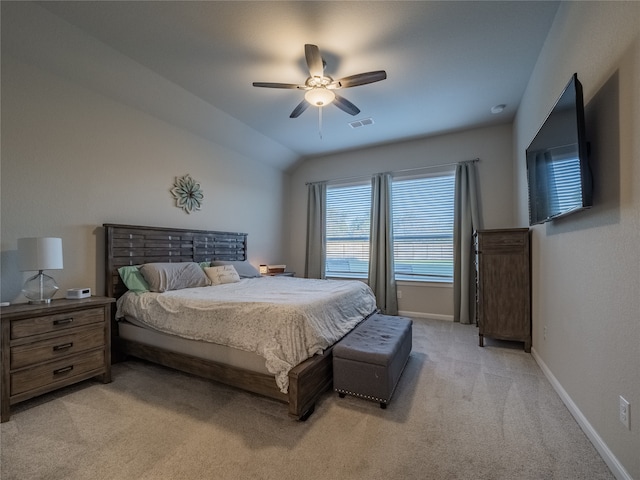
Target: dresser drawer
(57, 322)
(500, 242)
(55, 371)
(52, 348)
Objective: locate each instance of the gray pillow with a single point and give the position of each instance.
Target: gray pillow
(244, 268)
(162, 277)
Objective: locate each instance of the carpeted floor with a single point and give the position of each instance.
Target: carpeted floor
(460, 412)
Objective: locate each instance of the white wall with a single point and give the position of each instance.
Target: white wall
(586, 267)
(493, 145)
(73, 159)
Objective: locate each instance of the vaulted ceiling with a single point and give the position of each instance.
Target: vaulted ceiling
(448, 63)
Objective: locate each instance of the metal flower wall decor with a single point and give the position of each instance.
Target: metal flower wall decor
(187, 193)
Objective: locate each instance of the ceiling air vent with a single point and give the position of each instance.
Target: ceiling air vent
(361, 123)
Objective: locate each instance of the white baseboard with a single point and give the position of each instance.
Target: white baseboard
(607, 455)
(434, 316)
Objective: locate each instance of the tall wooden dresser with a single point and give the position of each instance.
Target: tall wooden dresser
(503, 261)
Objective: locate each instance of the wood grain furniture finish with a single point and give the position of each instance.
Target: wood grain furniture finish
(46, 347)
(504, 285)
(136, 245)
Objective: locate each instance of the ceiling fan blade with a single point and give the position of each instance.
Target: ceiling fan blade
(361, 79)
(302, 106)
(276, 85)
(345, 105)
(314, 60)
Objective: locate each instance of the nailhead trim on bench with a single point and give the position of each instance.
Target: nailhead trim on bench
(368, 397)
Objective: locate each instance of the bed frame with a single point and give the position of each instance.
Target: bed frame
(135, 245)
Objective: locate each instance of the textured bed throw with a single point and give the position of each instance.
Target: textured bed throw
(285, 320)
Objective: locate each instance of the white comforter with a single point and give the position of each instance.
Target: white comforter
(285, 320)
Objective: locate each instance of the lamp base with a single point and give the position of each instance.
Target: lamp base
(38, 302)
(40, 288)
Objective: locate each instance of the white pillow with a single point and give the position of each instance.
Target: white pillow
(222, 274)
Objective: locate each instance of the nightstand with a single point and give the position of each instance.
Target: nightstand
(46, 347)
(280, 274)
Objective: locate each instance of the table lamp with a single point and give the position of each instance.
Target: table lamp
(40, 253)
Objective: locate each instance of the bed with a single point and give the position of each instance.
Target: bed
(151, 337)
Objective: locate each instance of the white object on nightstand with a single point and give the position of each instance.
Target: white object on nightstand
(77, 293)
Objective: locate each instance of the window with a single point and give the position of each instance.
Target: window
(347, 235)
(422, 228)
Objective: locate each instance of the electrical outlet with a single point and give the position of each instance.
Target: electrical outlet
(544, 332)
(399, 293)
(625, 412)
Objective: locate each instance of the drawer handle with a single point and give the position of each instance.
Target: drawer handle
(63, 321)
(64, 346)
(63, 370)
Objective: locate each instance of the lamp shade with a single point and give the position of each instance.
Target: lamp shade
(39, 253)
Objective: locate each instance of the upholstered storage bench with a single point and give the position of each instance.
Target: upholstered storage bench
(369, 360)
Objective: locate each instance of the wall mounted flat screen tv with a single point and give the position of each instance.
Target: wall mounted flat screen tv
(558, 173)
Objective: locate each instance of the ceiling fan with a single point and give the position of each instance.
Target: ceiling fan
(320, 88)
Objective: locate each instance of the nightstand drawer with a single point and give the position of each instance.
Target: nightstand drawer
(44, 347)
(58, 370)
(53, 323)
(69, 344)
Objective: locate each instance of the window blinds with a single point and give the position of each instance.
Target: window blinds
(347, 231)
(423, 227)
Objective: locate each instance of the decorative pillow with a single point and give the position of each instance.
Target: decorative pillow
(133, 279)
(222, 274)
(162, 277)
(244, 268)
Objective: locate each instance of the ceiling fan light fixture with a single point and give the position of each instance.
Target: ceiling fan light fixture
(319, 96)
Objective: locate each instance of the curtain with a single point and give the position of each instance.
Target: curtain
(381, 267)
(316, 225)
(466, 221)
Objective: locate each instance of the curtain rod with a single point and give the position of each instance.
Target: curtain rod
(406, 170)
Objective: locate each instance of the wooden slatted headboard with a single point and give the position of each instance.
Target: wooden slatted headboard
(135, 245)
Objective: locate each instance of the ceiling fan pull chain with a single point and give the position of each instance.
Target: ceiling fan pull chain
(320, 122)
